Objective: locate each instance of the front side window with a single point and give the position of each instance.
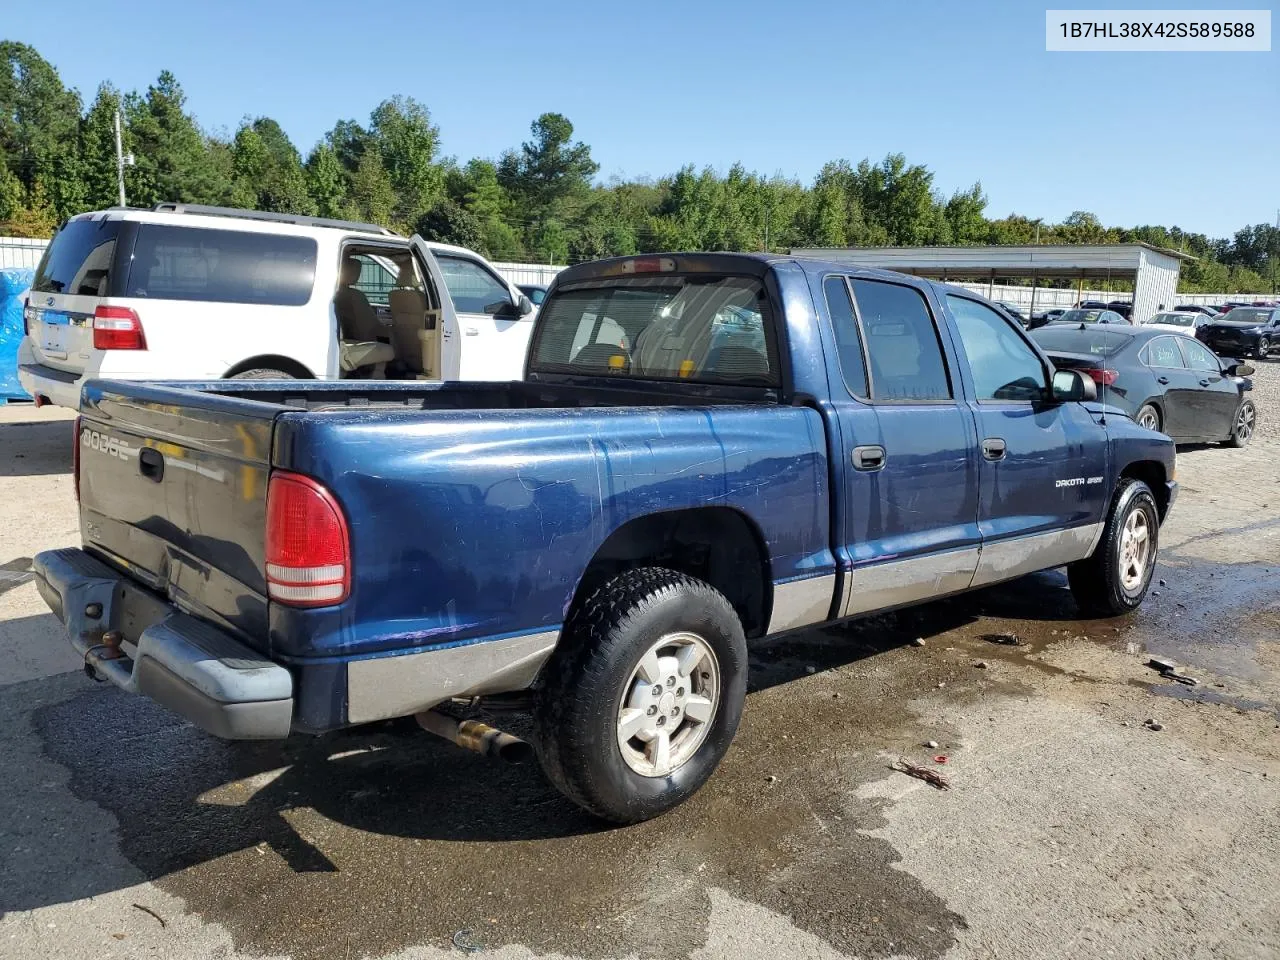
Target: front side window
(1003, 366)
(221, 266)
(472, 288)
(703, 327)
(1198, 357)
(1164, 352)
(78, 259)
(903, 349)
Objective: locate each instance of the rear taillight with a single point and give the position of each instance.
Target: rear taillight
(117, 328)
(75, 458)
(28, 317)
(1102, 377)
(308, 547)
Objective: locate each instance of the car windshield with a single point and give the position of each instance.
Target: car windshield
(1173, 320)
(1097, 341)
(701, 327)
(1080, 316)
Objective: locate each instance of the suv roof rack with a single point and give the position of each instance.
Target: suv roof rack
(303, 221)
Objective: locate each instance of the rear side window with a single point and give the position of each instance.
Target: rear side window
(79, 259)
(702, 327)
(848, 343)
(222, 266)
(902, 343)
(472, 288)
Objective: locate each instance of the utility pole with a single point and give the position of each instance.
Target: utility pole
(122, 160)
(766, 228)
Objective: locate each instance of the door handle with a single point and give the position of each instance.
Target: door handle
(993, 448)
(472, 332)
(1204, 383)
(1162, 380)
(868, 458)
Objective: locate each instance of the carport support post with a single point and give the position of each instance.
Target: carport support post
(991, 285)
(1035, 278)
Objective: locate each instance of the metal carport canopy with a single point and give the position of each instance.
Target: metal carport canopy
(1099, 261)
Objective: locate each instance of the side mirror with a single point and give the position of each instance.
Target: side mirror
(1239, 370)
(1072, 386)
(526, 305)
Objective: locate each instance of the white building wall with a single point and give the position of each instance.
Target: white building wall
(1156, 288)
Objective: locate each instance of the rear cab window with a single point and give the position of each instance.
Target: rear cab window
(705, 328)
(80, 259)
(903, 349)
(221, 266)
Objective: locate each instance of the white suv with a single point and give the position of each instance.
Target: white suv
(187, 292)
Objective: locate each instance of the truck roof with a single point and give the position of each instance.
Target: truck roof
(755, 264)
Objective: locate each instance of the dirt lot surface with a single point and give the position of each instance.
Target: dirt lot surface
(1072, 829)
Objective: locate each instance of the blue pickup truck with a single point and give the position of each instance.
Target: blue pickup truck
(706, 449)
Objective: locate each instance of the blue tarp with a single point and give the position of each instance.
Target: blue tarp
(14, 283)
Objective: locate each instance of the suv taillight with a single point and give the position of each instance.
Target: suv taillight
(117, 328)
(1102, 377)
(75, 458)
(28, 315)
(308, 547)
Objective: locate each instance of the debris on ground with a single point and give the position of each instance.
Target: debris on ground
(810, 668)
(1169, 670)
(931, 777)
(1004, 639)
(918, 642)
(932, 744)
(1155, 725)
(465, 942)
(942, 758)
(771, 779)
(148, 910)
(1163, 584)
(980, 665)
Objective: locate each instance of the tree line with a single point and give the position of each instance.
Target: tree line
(538, 202)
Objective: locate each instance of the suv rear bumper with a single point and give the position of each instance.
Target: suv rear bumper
(194, 669)
(45, 384)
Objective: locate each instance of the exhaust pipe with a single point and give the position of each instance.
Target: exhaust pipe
(477, 736)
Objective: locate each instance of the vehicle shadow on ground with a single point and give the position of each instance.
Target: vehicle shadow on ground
(36, 449)
(372, 839)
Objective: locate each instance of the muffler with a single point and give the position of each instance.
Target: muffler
(477, 736)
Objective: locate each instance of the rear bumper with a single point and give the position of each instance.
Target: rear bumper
(194, 669)
(46, 384)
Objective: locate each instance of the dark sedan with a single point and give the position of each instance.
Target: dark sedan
(1243, 332)
(1164, 381)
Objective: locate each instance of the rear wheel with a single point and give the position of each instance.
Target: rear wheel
(1148, 417)
(643, 695)
(1115, 579)
(262, 373)
(1245, 423)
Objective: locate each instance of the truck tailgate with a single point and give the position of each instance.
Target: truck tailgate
(176, 493)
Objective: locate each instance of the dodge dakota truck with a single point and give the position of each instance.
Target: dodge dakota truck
(706, 449)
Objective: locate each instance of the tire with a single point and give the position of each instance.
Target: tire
(1099, 587)
(262, 373)
(1148, 416)
(1244, 425)
(1264, 348)
(597, 673)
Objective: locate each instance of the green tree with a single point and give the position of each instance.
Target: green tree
(98, 149)
(401, 131)
(549, 178)
(371, 196)
(448, 222)
(267, 169)
(39, 126)
(174, 161)
(327, 182)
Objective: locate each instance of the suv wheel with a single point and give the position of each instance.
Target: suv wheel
(262, 373)
(1148, 417)
(1115, 579)
(1264, 348)
(642, 697)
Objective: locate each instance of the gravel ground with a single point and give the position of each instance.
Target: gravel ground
(1072, 829)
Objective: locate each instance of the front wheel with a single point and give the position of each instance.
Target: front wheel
(642, 697)
(1115, 579)
(1264, 348)
(1245, 423)
(262, 373)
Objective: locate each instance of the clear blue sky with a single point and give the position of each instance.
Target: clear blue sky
(965, 88)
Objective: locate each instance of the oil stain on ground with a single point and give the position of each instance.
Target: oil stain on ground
(368, 841)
